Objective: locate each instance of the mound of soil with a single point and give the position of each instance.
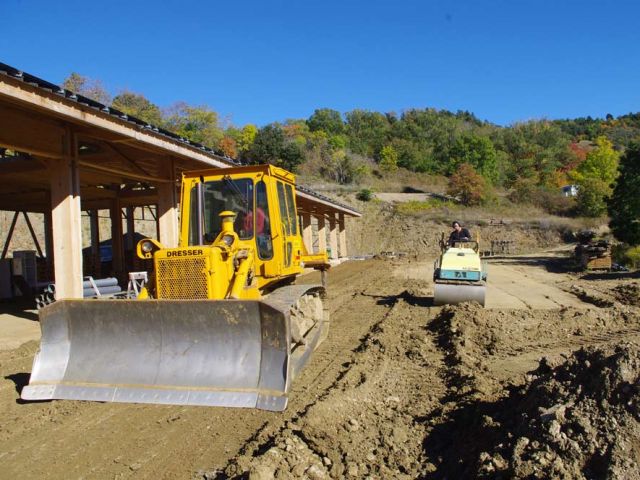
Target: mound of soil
(579, 419)
(627, 293)
(477, 341)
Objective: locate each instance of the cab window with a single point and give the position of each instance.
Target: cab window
(231, 194)
(291, 211)
(262, 226)
(284, 216)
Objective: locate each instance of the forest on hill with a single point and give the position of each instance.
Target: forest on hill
(531, 160)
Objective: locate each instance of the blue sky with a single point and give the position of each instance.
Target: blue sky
(264, 61)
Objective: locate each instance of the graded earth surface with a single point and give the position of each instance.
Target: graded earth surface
(542, 383)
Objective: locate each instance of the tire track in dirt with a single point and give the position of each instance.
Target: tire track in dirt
(354, 311)
(371, 420)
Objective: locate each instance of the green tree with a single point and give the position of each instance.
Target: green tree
(270, 146)
(198, 124)
(367, 131)
(594, 177)
(340, 168)
(593, 194)
(138, 106)
(601, 163)
(247, 137)
(388, 159)
(327, 120)
(88, 87)
(624, 206)
(467, 185)
(478, 152)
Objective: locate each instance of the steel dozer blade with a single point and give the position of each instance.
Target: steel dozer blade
(449, 293)
(230, 353)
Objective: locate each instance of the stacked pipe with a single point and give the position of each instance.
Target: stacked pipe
(104, 286)
(90, 289)
(46, 297)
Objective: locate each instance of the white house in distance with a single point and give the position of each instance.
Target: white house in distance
(570, 190)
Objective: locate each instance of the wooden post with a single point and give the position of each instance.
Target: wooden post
(66, 220)
(117, 254)
(322, 235)
(34, 237)
(307, 233)
(9, 235)
(131, 228)
(342, 238)
(333, 236)
(94, 223)
(168, 209)
(48, 241)
(95, 231)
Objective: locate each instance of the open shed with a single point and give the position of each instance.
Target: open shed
(62, 154)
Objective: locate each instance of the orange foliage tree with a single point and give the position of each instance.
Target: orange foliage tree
(228, 147)
(467, 185)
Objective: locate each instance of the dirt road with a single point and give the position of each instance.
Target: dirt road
(371, 402)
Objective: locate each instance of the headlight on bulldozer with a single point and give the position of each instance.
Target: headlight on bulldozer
(227, 239)
(146, 247)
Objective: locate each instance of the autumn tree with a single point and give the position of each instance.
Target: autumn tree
(467, 185)
(601, 163)
(624, 206)
(228, 147)
(138, 106)
(88, 87)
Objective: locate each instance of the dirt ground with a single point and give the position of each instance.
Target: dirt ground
(542, 383)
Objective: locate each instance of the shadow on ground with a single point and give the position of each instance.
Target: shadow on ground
(550, 264)
(20, 380)
(407, 296)
(21, 309)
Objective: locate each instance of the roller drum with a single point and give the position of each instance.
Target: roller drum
(451, 294)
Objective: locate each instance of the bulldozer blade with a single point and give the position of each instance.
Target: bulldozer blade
(448, 293)
(230, 353)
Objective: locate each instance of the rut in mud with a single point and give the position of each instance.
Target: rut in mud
(400, 389)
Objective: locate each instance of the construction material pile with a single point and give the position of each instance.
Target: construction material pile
(592, 253)
(91, 288)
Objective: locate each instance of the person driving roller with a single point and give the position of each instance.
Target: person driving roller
(459, 234)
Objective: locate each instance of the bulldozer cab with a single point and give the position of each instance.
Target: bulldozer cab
(263, 201)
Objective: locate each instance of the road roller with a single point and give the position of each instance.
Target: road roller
(459, 273)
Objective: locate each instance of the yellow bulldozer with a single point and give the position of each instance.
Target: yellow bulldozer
(220, 322)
